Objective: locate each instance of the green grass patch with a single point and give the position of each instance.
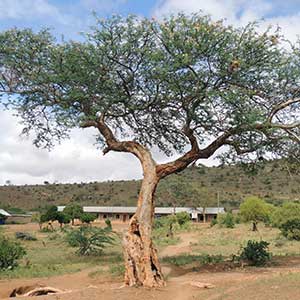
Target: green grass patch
(186, 259)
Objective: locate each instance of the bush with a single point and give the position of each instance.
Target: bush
(291, 229)
(25, 236)
(87, 218)
(108, 224)
(10, 252)
(183, 218)
(89, 240)
(213, 222)
(256, 253)
(226, 220)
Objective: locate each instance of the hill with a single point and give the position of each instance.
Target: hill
(276, 182)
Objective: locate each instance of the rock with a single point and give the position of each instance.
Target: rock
(202, 285)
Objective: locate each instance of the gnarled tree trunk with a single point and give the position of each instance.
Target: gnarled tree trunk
(141, 262)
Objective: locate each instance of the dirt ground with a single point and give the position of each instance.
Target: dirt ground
(279, 282)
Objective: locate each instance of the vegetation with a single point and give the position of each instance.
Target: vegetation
(185, 259)
(87, 218)
(255, 210)
(75, 211)
(89, 240)
(232, 182)
(10, 253)
(291, 229)
(288, 211)
(226, 220)
(256, 253)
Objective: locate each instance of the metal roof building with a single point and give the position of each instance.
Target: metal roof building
(4, 213)
(126, 212)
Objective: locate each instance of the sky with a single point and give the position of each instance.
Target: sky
(78, 159)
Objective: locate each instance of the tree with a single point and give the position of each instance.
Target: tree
(181, 82)
(74, 211)
(62, 218)
(288, 211)
(87, 218)
(254, 210)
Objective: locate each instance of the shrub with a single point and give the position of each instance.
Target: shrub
(10, 252)
(25, 236)
(291, 229)
(89, 240)
(226, 220)
(288, 211)
(256, 253)
(87, 218)
(183, 218)
(213, 222)
(108, 224)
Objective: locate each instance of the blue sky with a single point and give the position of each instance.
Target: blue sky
(77, 159)
(68, 18)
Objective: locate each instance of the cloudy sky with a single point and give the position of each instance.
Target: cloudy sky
(78, 159)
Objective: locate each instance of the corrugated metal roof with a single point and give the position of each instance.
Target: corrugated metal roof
(158, 210)
(4, 213)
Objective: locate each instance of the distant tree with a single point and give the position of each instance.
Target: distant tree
(288, 211)
(254, 210)
(87, 218)
(74, 211)
(185, 81)
(63, 218)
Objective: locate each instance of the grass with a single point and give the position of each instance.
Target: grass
(185, 259)
(50, 255)
(226, 241)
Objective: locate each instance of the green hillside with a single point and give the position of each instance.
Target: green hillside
(275, 183)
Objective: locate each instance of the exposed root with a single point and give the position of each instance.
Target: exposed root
(30, 291)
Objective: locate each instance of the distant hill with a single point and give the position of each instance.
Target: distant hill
(275, 183)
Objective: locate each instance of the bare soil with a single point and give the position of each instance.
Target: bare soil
(279, 281)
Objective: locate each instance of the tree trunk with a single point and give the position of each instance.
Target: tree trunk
(141, 261)
(254, 227)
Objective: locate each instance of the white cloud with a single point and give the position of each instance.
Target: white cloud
(75, 160)
(31, 9)
(236, 12)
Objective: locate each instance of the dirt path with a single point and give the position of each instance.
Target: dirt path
(184, 246)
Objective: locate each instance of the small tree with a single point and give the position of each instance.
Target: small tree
(87, 218)
(10, 253)
(254, 210)
(288, 211)
(89, 240)
(74, 211)
(62, 218)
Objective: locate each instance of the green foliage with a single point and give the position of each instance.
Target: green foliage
(87, 218)
(226, 220)
(63, 218)
(183, 219)
(153, 77)
(288, 211)
(256, 253)
(10, 253)
(213, 222)
(50, 215)
(74, 211)
(108, 224)
(291, 229)
(254, 209)
(89, 240)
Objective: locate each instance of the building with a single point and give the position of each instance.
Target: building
(124, 213)
(3, 216)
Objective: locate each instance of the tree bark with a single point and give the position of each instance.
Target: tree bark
(254, 226)
(142, 267)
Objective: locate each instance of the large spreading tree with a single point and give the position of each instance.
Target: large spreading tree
(185, 84)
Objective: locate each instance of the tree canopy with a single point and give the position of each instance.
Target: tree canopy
(185, 80)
